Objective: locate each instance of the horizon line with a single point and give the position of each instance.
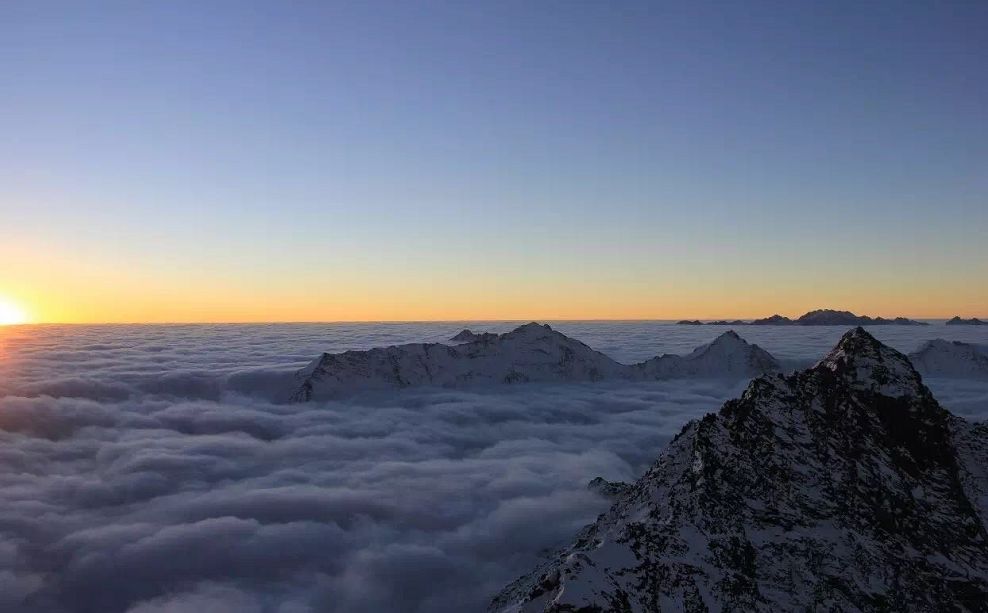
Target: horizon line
(410, 321)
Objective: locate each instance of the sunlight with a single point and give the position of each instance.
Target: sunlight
(11, 313)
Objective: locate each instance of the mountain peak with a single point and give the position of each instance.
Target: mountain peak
(868, 364)
(842, 487)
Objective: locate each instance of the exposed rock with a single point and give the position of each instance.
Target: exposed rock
(607, 489)
(844, 487)
(530, 353)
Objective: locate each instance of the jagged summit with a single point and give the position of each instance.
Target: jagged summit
(530, 353)
(866, 363)
(844, 487)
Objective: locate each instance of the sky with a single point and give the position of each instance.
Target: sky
(318, 161)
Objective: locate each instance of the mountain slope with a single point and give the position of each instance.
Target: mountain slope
(940, 358)
(845, 487)
(728, 355)
(530, 353)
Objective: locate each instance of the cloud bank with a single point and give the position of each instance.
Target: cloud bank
(135, 477)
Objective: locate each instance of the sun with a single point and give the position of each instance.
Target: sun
(11, 313)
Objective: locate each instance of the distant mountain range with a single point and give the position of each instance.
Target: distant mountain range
(844, 487)
(974, 321)
(530, 353)
(819, 317)
(537, 353)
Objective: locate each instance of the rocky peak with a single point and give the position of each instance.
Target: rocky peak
(866, 364)
(842, 487)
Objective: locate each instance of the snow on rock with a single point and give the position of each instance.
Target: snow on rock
(607, 489)
(728, 355)
(844, 487)
(530, 353)
(940, 358)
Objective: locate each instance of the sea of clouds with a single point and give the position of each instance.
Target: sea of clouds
(158, 469)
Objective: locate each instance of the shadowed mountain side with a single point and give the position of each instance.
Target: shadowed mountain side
(842, 487)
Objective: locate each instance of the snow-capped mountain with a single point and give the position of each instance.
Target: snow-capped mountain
(940, 358)
(844, 487)
(530, 353)
(728, 355)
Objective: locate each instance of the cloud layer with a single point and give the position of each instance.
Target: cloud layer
(152, 470)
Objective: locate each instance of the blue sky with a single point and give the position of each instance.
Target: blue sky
(435, 159)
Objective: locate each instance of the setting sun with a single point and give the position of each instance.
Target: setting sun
(11, 313)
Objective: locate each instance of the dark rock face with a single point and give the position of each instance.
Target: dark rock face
(607, 489)
(844, 487)
(469, 336)
(974, 321)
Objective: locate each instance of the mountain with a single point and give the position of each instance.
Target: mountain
(467, 336)
(829, 317)
(728, 355)
(819, 317)
(530, 353)
(844, 487)
(940, 358)
(774, 320)
(974, 321)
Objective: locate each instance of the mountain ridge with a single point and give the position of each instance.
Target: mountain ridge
(530, 353)
(817, 317)
(845, 486)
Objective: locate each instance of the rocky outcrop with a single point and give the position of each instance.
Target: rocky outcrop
(844, 487)
(607, 489)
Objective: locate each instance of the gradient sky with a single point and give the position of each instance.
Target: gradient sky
(262, 161)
